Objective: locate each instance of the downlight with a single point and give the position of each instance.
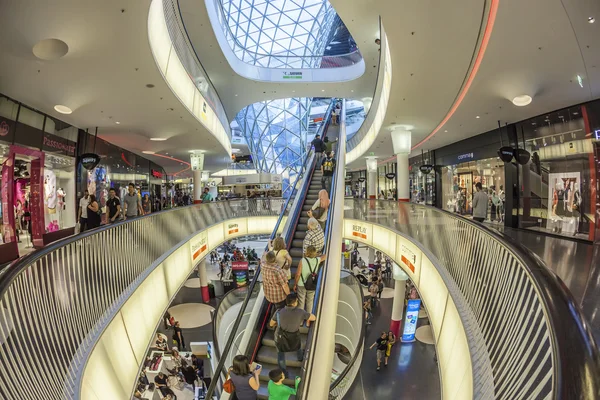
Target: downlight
(62, 109)
(522, 101)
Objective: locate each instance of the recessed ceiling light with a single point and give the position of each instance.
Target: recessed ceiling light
(148, 152)
(117, 122)
(522, 101)
(591, 20)
(63, 109)
(478, 117)
(149, 85)
(446, 130)
(158, 139)
(322, 90)
(352, 90)
(236, 95)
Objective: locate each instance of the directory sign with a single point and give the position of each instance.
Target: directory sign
(410, 320)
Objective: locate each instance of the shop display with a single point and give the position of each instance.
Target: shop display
(564, 211)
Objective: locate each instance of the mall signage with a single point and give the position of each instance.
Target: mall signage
(57, 144)
(362, 179)
(7, 130)
(506, 153)
(156, 174)
(89, 161)
(597, 134)
(292, 75)
(390, 175)
(426, 169)
(522, 156)
(466, 156)
(410, 320)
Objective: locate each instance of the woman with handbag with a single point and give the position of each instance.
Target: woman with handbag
(320, 208)
(306, 276)
(284, 260)
(243, 381)
(94, 213)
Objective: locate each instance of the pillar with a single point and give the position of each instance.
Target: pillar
(401, 139)
(372, 177)
(400, 278)
(202, 275)
(197, 186)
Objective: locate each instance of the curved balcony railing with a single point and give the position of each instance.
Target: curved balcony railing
(527, 338)
(284, 60)
(191, 62)
(55, 302)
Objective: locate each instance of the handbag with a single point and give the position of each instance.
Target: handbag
(318, 212)
(228, 386)
(286, 341)
(310, 284)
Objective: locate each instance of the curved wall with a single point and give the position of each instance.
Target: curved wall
(113, 364)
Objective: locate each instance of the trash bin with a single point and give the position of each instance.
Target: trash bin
(219, 289)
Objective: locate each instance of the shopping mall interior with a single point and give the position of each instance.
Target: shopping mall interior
(303, 199)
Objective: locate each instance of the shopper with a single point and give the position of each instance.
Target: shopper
(83, 210)
(178, 336)
(146, 204)
(381, 344)
(275, 283)
(206, 196)
(161, 343)
(132, 203)
(190, 376)
(391, 341)
(480, 204)
(327, 168)
(244, 378)
(320, 208)
(314, 236)
(284, 260)
(373, 290)
(277, 390)
(287, 334)
(307, 270)
(368, 313)
(114, 206)
(94, 212)
(319, 147)
(160, 381)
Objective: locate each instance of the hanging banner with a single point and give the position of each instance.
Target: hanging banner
(410, 320)
(426, 169)
(506, 153)
(89, 161)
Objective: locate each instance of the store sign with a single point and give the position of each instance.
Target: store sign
(241, 180)
(410, 320)
(506, 153)
(362, 179)
(597, 134)
(239, 265)
(408, 258)
(57, 144)
(7, 130)
(390, 175)
(156, 174)
(198, 247)
(522, 156)
(89, 161)
(426, 169)
(292, 75)
(197, 161)
(467, 156)
(359, 232)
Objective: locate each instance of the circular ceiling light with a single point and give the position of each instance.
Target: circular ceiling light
(478, 117)
(522, 101)
(148, 152)
(62, 109)
(591, 20)
(50, 49)
(158, 139)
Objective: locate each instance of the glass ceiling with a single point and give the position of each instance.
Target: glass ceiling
(278, 33)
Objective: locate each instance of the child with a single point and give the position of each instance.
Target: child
(277, 390)
(368, 313)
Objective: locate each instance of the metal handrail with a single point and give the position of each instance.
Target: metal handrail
(229, 344)
(353, 57)
(56, 301)
(523, 310)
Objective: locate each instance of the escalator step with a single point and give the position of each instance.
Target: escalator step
(297, 243)
(301, 228)
(311, 197)
(299, 234)
(303, 220)
(313, 192)
(293, 371)
(303, 330)
(268, 355)
(306, 207)
(269, 339)
(296, 252)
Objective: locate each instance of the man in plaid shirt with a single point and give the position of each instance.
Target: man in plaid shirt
(275, 283)
(314, 236)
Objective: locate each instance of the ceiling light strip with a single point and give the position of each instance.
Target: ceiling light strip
(484, 42)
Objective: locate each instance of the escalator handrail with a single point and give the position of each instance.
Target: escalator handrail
(313, 331)
(309, 161)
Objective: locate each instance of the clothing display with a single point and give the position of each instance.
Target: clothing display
(50, 195)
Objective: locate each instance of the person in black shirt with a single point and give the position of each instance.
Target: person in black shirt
(319, 146)
(381, 344)
(160, 381)
(114, 206)
(327, 168)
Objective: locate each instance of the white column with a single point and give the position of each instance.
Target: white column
(202, 275)
(372, 177)
(398, 306)
(402, 143)
(197, 186)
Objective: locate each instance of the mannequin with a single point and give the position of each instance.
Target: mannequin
(61, 199)
(50, 191)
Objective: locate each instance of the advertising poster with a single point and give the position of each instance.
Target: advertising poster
(239, 270)
(198, 247)
(564, 201)
(410, 320)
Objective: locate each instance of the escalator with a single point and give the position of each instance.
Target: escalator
(267, 353)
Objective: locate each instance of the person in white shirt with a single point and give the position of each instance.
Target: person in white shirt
(83, 204)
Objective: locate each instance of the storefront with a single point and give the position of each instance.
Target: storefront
(558, 186)
(386, 181)
(38, 156)
(422, 184)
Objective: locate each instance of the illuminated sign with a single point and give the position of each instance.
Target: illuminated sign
(506, 153)
(232, 228)
(156, 174)
(197, 161)
(56, 143)
(4, 128)
(580, 80)
(198, 247)
(408, 258)
(390, 175)
(410, 320)
(89, 161)
(426, 169)
(467, 156)
(292, 75)
(359, 231)
(597, 133)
